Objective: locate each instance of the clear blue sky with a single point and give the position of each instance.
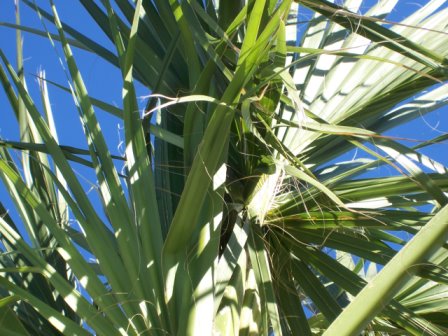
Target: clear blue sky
(104, 81)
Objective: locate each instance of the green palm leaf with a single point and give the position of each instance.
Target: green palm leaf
(237, 211)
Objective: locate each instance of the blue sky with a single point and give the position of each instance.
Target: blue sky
(104, 81)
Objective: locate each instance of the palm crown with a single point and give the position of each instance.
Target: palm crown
(234, 213)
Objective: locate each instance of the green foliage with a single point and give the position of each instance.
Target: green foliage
(234, 214)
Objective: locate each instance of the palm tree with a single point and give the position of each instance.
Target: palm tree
(236, 212)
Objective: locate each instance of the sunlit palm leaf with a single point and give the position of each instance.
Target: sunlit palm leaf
(235, 213)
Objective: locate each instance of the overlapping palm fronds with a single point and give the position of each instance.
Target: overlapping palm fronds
(235, 213)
